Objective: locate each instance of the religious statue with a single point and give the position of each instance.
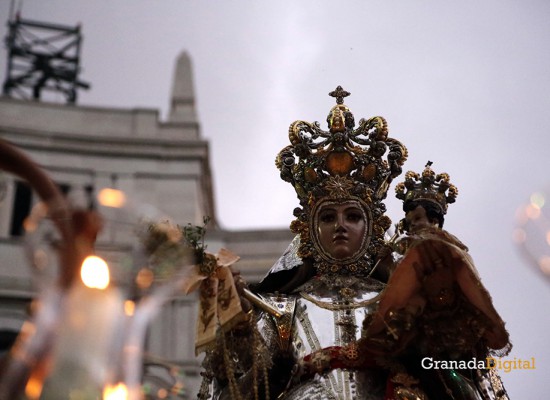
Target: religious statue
(435, 307)
(417, 297)
(326, 283)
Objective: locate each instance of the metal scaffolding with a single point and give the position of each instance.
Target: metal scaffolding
(42, 57)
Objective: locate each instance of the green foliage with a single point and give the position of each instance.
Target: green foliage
(194, 235)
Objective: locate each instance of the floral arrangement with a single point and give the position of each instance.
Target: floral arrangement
(169, 246)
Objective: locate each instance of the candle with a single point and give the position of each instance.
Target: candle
(86, 345)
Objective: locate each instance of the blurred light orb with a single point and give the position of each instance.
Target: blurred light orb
(519, 235)
(532, 211)
(38, 212)
(95, 272)
(109, 197)
(544, 263)
(537, 199)
(532, 232)
(145, 278)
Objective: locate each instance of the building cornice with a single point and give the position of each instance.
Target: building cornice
(151, 148)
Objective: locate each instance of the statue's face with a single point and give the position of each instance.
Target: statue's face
(418, 220)
(341, 229)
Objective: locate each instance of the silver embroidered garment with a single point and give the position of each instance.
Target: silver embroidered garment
(327, 311)
(289, 259)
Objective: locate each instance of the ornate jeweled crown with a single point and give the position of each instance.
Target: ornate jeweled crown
(340, 164)
(428, 187)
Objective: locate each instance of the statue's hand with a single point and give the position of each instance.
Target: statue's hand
(241, 285)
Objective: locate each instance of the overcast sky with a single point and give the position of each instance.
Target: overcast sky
(463, 84)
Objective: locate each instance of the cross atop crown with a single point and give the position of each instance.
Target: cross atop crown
(339, 94)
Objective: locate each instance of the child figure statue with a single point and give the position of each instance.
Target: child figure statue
(435, 308)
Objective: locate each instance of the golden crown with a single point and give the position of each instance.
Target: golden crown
(342, 163)
(428, 186)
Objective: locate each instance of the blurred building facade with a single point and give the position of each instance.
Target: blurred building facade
(160, 164)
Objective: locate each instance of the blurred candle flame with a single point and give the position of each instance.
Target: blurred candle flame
(109, 197)
(129, 307)
(95, 272)
(118, 392)
(33, 389)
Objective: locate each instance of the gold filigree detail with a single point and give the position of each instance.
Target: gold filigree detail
(349, 327)
(339, 187)
(360, 267)
(351, 352)
(427, 186)
(347, 293)
(283, 324)
(339, 306)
